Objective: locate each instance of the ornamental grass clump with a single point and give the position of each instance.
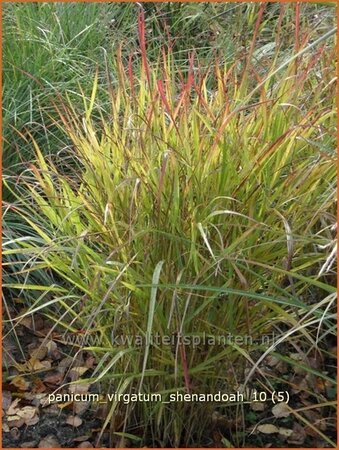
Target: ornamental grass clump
(199, 208)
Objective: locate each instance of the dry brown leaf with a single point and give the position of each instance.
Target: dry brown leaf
(38, 386)
(37, 353)
(75, 421)
(85, 444)
(285, 432)
(81, 407)
(312, 416)
(53, 377)
(297, 357)
(15, 433)
(282, 367)
(27, 322)
(20, 367)
(53, 351)
(33, 421)
(317, 421)
(320, 385)
(281, 410)
(298, 436)
(35, 365)
(271, 360)
(258, 406)
(15, 421)
(28, 444)
(51, 347)
(13, 407)
(66, 362)
(268, 428)
(81, 388)
(56, 355)
(46, 363)
(52, 410)
(20, 383)
(44, 402)
(39, 323)
(27, 412)
(77, 372)
(50, 441)
(82, 438)
(299, 384)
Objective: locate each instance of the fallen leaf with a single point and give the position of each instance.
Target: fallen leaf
(15, 433)
(300, 384)
(6, 400)
(50, 441)
(38, 323)
(35, 365)
(28, 444)
(82, 438)
(75, 421)
(297, 357)
(66, 362)
(77, 372)
(37, 353)
(267, 428)
(298, 436)
(85, 444)
(282, 367)
(15, 421)
(281, 410)
(271, 360)
(46, 364)
(53, 351)
(38, 386)
(27, 322)
(312, 416)
(27, 412)
(33, 421)
(51, 347)
(53, 377)
(81, 407)
(320, 385)
(44, 402)
(258, 406)
(52, 410)
(14, 407)
(285, 432)
(81, 388)
(317, 421)
(38, 398)
(21, 383)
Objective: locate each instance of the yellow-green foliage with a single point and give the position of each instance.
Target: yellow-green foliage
(196, 207)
